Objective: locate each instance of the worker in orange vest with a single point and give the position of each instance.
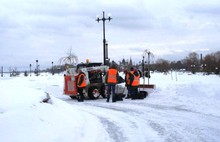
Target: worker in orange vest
(81, 84)
(127, 84)
(134, 82)
(111, 80)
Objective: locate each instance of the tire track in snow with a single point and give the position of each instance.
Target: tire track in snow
(172, 123)
(113, 130)
(120, 125)
(169, 123)
(159, 129)
(112, 127)
(139, 126)
(133, 119)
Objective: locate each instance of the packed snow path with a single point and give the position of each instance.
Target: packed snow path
(180, 110)
(183, 110)
(140, 120)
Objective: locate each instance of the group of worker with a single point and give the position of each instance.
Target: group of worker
(111, 79)
(131, 81)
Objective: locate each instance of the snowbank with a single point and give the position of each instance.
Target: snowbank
(181, 108)
(23, 116)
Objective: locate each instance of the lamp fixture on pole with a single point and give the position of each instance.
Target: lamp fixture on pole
(103, 19)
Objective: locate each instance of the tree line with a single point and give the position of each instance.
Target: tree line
(194, 62)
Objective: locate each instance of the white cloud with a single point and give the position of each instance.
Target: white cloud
(45, 30)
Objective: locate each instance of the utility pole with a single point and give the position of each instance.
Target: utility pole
(103, 19)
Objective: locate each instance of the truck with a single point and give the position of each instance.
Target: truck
(95, 80)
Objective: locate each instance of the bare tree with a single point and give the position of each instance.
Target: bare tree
(210, 63)
(70, 59)
(194, 58)
(192, 61)
(162, 65)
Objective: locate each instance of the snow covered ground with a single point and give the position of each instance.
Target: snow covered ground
(182, 108)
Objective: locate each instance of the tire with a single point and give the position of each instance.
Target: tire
(93, 93)
(144, 94)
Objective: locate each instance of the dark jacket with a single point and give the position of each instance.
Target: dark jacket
(127, 80)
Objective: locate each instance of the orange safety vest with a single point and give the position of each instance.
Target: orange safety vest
(112, 76)
(136, 79)
(83, 84)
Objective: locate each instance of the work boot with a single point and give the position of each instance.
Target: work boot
(108, 97)
(80, 100)
(113, 99)
(133, 97)
(128, 96)
(107, 100)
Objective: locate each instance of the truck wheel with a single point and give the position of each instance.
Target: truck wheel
(93, 93)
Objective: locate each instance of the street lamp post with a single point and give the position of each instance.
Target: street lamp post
(52, 69)
(2, 71)
(106, 54)
(146, 52)
(37, 67)
(193, 68)
(148, 66)
(30, 69)
(204, 68)
(103, 19)
(143, 74)
(106, 50)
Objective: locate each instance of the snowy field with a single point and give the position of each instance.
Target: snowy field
(182, 108)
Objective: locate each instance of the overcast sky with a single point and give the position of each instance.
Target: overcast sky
(45, 30)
